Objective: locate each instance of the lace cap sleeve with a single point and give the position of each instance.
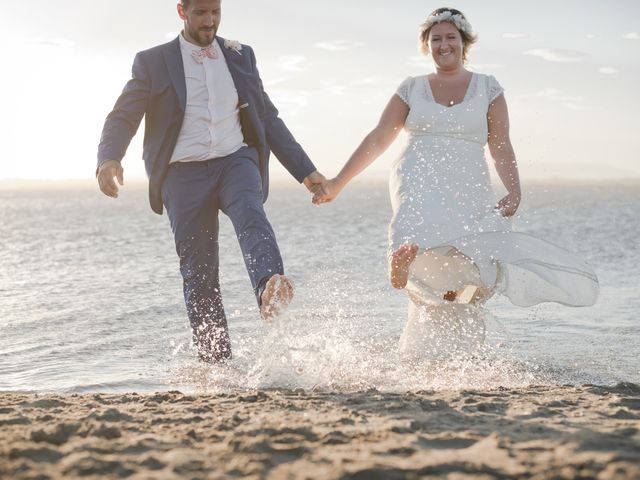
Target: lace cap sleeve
(404, 89)
(494, 89)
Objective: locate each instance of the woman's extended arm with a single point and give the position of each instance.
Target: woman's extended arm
(371, 147)
(503, 155)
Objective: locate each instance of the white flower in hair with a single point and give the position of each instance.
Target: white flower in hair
(447, 16)
(233, 45)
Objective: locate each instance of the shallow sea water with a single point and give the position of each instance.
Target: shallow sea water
(91, 299)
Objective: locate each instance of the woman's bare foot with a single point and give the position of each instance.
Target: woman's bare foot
(276, 297)
(400, 261)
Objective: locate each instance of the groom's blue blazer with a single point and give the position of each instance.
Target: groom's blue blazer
(158, 92)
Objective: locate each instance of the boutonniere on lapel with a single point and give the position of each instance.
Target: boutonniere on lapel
(233, 45)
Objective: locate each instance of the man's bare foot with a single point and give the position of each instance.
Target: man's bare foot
(276, 297)
(400, 261)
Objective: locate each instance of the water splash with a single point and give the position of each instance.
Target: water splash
(343, 352)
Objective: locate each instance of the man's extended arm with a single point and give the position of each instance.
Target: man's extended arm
(284, 145)
(120, 127)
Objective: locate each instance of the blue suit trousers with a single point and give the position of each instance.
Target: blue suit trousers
(193, 193)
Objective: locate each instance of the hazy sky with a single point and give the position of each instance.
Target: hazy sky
(570, 69)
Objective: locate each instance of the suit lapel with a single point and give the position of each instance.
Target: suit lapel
(232, 58)
(173, 59)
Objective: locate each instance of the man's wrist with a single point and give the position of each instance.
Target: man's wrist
(307, 180)
(104, 164)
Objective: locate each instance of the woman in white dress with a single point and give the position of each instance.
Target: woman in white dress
(450, 242)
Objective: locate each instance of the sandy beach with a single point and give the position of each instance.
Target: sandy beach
(539, 432)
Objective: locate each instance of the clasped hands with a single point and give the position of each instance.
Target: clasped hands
(323, 190)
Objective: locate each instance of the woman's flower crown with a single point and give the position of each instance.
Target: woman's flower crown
(447, 16)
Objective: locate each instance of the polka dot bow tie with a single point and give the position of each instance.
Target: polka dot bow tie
(208, 52)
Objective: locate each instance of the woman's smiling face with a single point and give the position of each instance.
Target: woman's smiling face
(445, 44)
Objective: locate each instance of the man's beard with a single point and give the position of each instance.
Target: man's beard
(201, 37)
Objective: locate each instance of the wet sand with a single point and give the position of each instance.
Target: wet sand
(539, 433)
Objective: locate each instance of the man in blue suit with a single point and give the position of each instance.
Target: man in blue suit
(209, 131)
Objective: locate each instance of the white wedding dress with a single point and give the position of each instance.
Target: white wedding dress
(442, 201)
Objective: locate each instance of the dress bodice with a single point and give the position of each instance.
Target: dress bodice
(464, 121)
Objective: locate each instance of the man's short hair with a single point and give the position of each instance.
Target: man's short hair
(185, 3)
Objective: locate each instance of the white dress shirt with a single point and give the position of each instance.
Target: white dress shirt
(211, 125)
